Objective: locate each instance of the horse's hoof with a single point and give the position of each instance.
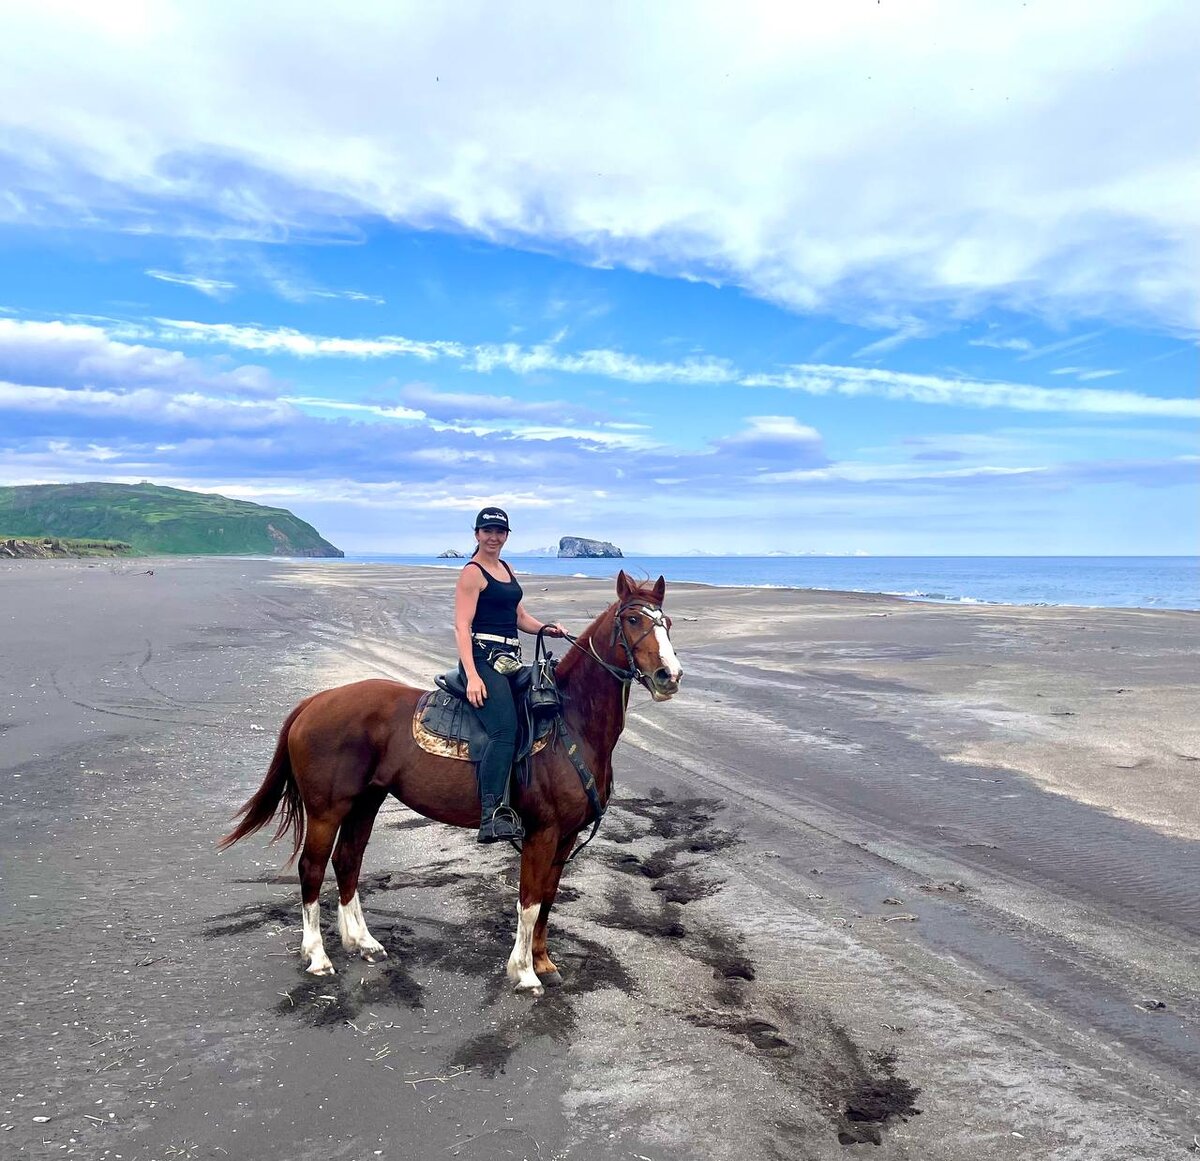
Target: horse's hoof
(321, 971)
(371, 954)
(551, 979)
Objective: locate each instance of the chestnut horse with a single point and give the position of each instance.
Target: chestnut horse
(343, 751)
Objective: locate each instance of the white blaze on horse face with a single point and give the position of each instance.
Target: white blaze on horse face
(313, 947)
(353, 929)
(520, 963)
(666, 651)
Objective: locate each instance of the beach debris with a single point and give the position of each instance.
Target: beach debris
(906, 917)
(892, 901)
(949, 885)
(1151, 1006)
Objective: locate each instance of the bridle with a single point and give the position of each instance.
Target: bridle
(658, 619)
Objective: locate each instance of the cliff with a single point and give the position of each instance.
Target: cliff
(51, 548)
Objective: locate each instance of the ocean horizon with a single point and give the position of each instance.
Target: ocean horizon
(1142, 582)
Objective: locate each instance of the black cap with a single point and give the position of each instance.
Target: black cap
(492, 516)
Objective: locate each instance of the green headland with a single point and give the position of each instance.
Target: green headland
(147, 518)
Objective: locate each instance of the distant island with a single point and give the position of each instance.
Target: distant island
(580, 546)
(147, 518)
(451, 554)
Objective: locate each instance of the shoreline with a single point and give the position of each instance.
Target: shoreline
(630, 564)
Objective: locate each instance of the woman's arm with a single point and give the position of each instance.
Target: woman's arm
(466, 599)
(528, 624)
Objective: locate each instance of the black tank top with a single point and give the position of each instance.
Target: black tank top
(496, 610)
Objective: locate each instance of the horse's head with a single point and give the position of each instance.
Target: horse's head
(644, 630)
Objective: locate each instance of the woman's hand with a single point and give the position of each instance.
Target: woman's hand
(476, 691)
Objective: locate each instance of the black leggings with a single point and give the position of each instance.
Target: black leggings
(499, 717)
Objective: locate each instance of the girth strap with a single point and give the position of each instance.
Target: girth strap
(589, 786)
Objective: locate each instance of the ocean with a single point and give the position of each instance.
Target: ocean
(1139, 582)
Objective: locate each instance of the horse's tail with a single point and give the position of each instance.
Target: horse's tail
(278, 786)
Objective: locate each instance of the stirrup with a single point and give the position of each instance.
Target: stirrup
(504, 824)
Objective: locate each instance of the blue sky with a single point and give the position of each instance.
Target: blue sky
(886, 278)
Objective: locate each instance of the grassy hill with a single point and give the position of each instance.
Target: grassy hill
(155, 519)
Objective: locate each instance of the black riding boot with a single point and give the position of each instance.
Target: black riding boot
(499, 821)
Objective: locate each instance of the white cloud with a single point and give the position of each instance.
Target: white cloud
(84, 354)
(145, 405)
(879, 161)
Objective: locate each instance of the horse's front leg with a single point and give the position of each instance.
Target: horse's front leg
(537, 870)
(543, 965)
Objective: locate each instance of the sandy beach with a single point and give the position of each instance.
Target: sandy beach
(899, 879)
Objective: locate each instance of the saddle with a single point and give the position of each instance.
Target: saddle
(446, 724)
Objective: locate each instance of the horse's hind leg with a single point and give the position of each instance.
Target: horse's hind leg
(318, 842)
(537, 870)
(347, 862)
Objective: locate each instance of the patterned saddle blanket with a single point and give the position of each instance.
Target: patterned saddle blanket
(445, 724)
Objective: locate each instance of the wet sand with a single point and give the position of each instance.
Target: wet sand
(877, 857)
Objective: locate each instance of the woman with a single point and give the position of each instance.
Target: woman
(487, 614)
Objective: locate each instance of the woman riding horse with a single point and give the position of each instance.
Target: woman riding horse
(487, 614)
(342, 752)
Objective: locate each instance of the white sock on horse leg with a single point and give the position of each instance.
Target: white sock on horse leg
(520, 963)
(352, 926)
(313, 947)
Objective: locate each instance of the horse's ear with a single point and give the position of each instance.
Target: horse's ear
(624, 586)
(660, 588)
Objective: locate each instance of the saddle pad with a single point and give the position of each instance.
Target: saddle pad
(447, 726)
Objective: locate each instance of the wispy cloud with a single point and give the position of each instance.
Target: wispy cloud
(213, 287)
(1069, 344)
(813, 378)
(1002, 344)
(465, 405)
(1083, 375)
(288, 341)
(823, 379)
(912, 329)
